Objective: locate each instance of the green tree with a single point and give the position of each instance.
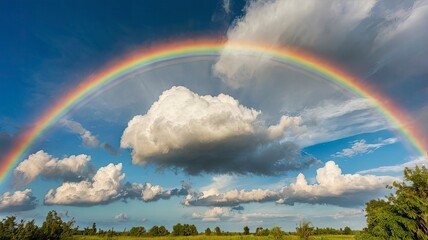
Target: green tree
(54, 228)
(276, 233)
(217, 231)
(347, 231)
(246, 230)
(208, 232)
(404, 214)
(304, 230)
(137, 231)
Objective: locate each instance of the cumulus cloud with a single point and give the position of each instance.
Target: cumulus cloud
(214, 214)
(103, 188)
(419, 161)
(150, 193)
(362, 147)
(87, 137)
(42, 164)
(332, 187)
(107, 185)
(17, 201)
(121, 217)
(212, 134)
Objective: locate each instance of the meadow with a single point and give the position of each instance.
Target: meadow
(203, 237)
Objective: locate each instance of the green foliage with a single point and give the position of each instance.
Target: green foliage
(54, 228)
(246, 230)
(208, 232)
(347, 231)
(276, 233)
(262, 232)
(184, 230)
(137, 231)
(404, 215)
(304, 230)
(217, 231)
(156, 231)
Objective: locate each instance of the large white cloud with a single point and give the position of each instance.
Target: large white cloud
(45, 165)
(108, 185)
(17, 201)
(213, 134)
(103, 188)
(332, 187)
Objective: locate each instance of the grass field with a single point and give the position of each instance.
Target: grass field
(202, 237)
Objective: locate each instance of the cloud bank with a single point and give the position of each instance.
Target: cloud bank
(332, 188)
(74, 167)
(211, 134)
(17, 201)
(107, 185)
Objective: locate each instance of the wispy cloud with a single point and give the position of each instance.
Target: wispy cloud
(362, 147)
(420, 161)
(87, 137)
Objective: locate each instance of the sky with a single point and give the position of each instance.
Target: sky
(232, 140)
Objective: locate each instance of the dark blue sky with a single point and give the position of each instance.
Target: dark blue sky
(53, 44)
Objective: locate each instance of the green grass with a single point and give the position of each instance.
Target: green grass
(202, 237)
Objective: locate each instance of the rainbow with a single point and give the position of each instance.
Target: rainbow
(201, 48)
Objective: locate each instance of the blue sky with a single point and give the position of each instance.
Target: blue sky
(227, 142)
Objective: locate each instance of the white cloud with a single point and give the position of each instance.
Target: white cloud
(332, 187)
(43, 164)
(87, 137)
(226, 6)
(218, 183)
(17, 201)
(214, 134)
(107, 185)
(362, 147)
(215, 214)
(121, 217)
(332, 120)
(85, 134)
(103, 188)
(280, 22)
(420, 161)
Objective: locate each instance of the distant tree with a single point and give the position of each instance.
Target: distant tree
(177, 230)
(137, 231)
(154, 231)
(208, 231)
(304, 230)
(347, 231)
(262, 232)
(162, 231)
(276, 233)
(246, 230)
(404, 214)
(217, 231)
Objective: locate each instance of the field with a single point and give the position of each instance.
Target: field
(201, 237)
